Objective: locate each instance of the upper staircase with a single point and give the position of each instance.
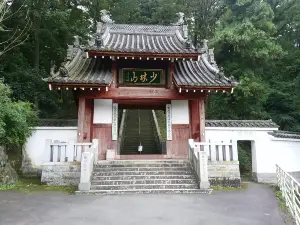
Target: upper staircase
(139, 129)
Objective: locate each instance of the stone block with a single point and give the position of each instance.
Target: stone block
(60, 174)
(224, 173)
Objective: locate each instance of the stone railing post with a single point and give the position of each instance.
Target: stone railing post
(95, 146)
(203, 170)
(86, 171)
(190, 149)
(47, 153)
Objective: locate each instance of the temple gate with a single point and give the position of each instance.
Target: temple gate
(128, 75)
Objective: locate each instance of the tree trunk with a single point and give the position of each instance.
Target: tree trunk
(37, 26)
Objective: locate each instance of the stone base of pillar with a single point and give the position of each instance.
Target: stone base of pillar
(84, 186)
(110, 154)
(204, 185)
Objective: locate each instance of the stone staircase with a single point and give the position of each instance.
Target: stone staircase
(132, 138)
(142, 177)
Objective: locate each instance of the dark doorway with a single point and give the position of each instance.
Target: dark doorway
(245, 159)
(141, 131)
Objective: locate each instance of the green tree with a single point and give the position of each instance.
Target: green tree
(16, 119)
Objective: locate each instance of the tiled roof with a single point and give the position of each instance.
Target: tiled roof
(132, 38)
(285, 134)
(58, 123)
(199, 73)
(241, 123)
(82, 70)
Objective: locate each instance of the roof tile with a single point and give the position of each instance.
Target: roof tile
(241, 123)
(285, 134)
(143, 38)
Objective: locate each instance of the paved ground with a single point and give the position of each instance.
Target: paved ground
(255, 206)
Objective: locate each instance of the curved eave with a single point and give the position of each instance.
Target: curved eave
(206, 87)
(143, 55)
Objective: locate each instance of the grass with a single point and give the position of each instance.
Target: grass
(29, 186)
(220, 188)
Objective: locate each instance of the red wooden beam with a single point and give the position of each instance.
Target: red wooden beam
(142, 104)
(141, 93)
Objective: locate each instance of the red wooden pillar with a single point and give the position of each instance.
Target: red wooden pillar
(194, 120)
(81, 115)
(85, 119)
(172, 68)
(197, 119)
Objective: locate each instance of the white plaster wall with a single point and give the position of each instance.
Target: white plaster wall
(262, 158)
(180, 112)
(287, 154)
(266, 150)
(102, 111)
(35, 146)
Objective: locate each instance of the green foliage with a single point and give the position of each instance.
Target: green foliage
(29, 186)
(257, 42)
(244, 154)
(16, 118)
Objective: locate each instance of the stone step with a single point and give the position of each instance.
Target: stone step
(143, 177)
(150, 165)
(145, 173)
(144, 186)
(145, 191)
(145, 181)
(142, 162)
(156, 166)
(141, 169)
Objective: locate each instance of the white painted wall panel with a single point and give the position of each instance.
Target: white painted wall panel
(35, 146)
(102, 111)
(266, 152)
(180, 112)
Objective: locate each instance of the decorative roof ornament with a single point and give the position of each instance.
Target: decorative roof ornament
(232, 79)
(185, 32)
(188, 44)
(76, 41)
(211, 56)
(205, 46)
(98, 40)
(220, 75)
(180, 19)
(63, 71)
(105, 16)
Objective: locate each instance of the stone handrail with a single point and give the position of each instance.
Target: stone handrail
(157, 132)
(89, 158)
(290, 189)
(60, 151)
(199, 160)
(121, 132)
(219, 150)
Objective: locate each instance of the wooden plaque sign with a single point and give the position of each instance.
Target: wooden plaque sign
(142, 76)
(169, 121)
(115, 122)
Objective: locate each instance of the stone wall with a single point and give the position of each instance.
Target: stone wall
(28, 170)
(61, 173)
(224, 173)
(7, 174)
